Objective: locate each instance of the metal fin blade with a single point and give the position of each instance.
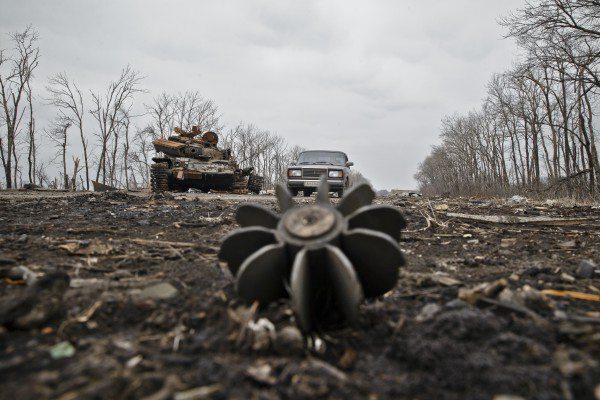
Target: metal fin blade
(240, 244)
(376, 258)
(380, 218)
(323, 191)
(300, 290)
(356, 198)
(261, 277)
(256, 215)
(346, 286)
(284, 198)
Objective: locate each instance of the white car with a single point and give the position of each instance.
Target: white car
(305, 173)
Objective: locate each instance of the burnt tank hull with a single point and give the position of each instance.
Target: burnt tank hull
(199, 164)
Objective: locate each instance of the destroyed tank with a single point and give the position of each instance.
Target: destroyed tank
(191, 162)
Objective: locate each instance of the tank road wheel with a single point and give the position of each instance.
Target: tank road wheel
(255, 183)
(159, 178)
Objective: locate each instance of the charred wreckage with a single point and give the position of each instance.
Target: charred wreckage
(326, 259)
(191, 162)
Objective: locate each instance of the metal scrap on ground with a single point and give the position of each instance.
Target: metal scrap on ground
(513, 219)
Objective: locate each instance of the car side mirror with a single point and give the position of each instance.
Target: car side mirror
(349, 163)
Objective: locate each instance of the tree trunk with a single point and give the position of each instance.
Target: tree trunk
(64, 158)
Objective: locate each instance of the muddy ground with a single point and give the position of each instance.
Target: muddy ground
(120, 295)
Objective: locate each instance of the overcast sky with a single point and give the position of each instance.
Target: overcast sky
(371, 78)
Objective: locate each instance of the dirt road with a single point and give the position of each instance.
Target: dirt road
(121, 295)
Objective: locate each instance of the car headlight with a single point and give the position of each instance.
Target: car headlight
(335, 174)
(295, 172)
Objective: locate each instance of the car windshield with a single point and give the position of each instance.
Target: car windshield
(322, 157)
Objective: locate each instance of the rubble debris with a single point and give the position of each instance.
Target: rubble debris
(262, 333)
(31, 186)
(441, 278)
(513, 219)
(202, 392)
(572, 294)
(102, 187)
(347, 360)
(586, 269)
(518, 200)
(507, 397)
(572, 362)
(289, 341)
(162, 243)
(62, 350)
(18, 273)
(39, 302)
(261, 372)
(7, 261)
(87, 247)
(507, 242)
(161, 291)
(428, 312)
(485, 289)
(327, 369)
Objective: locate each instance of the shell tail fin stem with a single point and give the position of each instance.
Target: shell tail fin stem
(323, 191)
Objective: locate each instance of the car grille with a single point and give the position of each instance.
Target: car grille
(313, 173)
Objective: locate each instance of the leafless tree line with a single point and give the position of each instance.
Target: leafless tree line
(185, 110)
(112, 148)
(267, 152)
(16, 71)
(536, 128)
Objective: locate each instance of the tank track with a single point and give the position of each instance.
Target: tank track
(255, 183)
(240, 186)
(159, 178)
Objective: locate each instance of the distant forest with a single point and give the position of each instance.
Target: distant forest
(536, 130)
(111, 147)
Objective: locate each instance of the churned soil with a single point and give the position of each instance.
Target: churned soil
(121, 295)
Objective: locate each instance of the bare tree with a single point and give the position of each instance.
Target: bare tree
(32, 153)
(76, 170)
(125, 122)
(183, 110)
(161, 111)
(57, 133)
(106, 110)
(14, 82)
(141, 154)
(267, 152)
(538, 120)
(68, 98)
